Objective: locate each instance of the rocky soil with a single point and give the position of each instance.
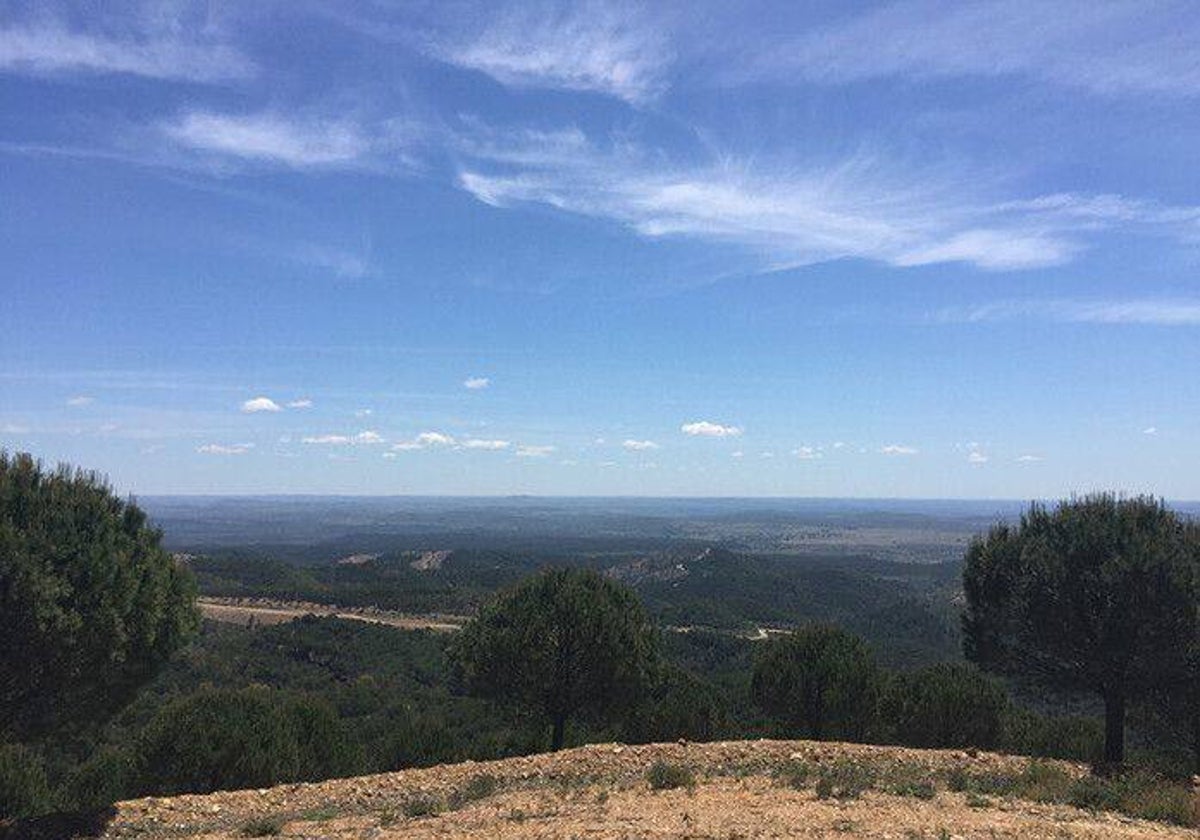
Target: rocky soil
(602, 792)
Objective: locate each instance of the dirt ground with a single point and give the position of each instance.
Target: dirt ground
(601, 792)
(246, 611)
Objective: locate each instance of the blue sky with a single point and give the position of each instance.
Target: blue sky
(939, 249)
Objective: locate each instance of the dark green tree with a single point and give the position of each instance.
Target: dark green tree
(564, 643)
(818, 681)
(90, 603)
(678, 704)
(1093, 595)
(945, 705)
(220, 739)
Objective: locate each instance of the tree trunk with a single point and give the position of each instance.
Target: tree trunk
(560, 727)
(1114, 727)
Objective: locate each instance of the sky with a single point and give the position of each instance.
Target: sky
(907, 249)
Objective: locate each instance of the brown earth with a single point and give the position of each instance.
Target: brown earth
(246, 611)
(601, 792)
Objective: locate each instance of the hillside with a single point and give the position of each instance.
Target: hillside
(741, 790)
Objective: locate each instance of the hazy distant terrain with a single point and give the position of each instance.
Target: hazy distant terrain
(904, 530)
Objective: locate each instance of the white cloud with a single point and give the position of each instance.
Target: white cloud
(272, 138)
(1109, 49)
(259, 404)
(14, 429)
(365, 438)
(639, 445)
(738, 454)
(302, 403)
(806, 453)
(406, 446)
(364, 412)
(785, 213)
(79, 401)
(475, 443)
(529, 451)
(706, 428)
(594, 46)
(1029, 459)
(1000, 250)
(977, 457)
(476, 383)
(839, 444)
(45, 48)
(1150, 430)
(435, 439)
(897, 449)
(225, 449)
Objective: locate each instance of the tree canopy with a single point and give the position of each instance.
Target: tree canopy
(1098, 594)
(90, 602)
(818, 681)
(563, 643)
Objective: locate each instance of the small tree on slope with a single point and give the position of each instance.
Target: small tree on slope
(563, 643)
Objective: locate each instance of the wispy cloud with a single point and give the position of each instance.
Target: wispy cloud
(977, 457)
(368, 437)
(1029, 459)
(706, 428)
(1150, 430)
(1168, 313)
(807, 453)
(50, 48)
(301, 403)
(785, 214)
(532, 451)
(898, 449)
(606, 47)
(1071, 43)
(260, 404)
(80, 400)
(476, 383)
(476, 443)
(225, 448)
(272, 138)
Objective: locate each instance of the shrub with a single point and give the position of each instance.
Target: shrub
(947, 705)
(794, 774)
(106, 777)
(422, 805)
(264, 827)
(663, 775)
(844, 780)
(24, 791)
(251, 737)
(478, 787)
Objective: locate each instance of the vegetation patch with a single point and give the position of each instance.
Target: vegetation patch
(665, 775)
(422, 805)
(477, 787)
(270, 826)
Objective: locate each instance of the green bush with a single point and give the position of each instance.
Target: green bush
(24, 791)
(477, 787)
(844, 780)
(948, 705)
(252, 737)
(1071, 738)
(794, 774)
(664, 775)
(107, 776)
